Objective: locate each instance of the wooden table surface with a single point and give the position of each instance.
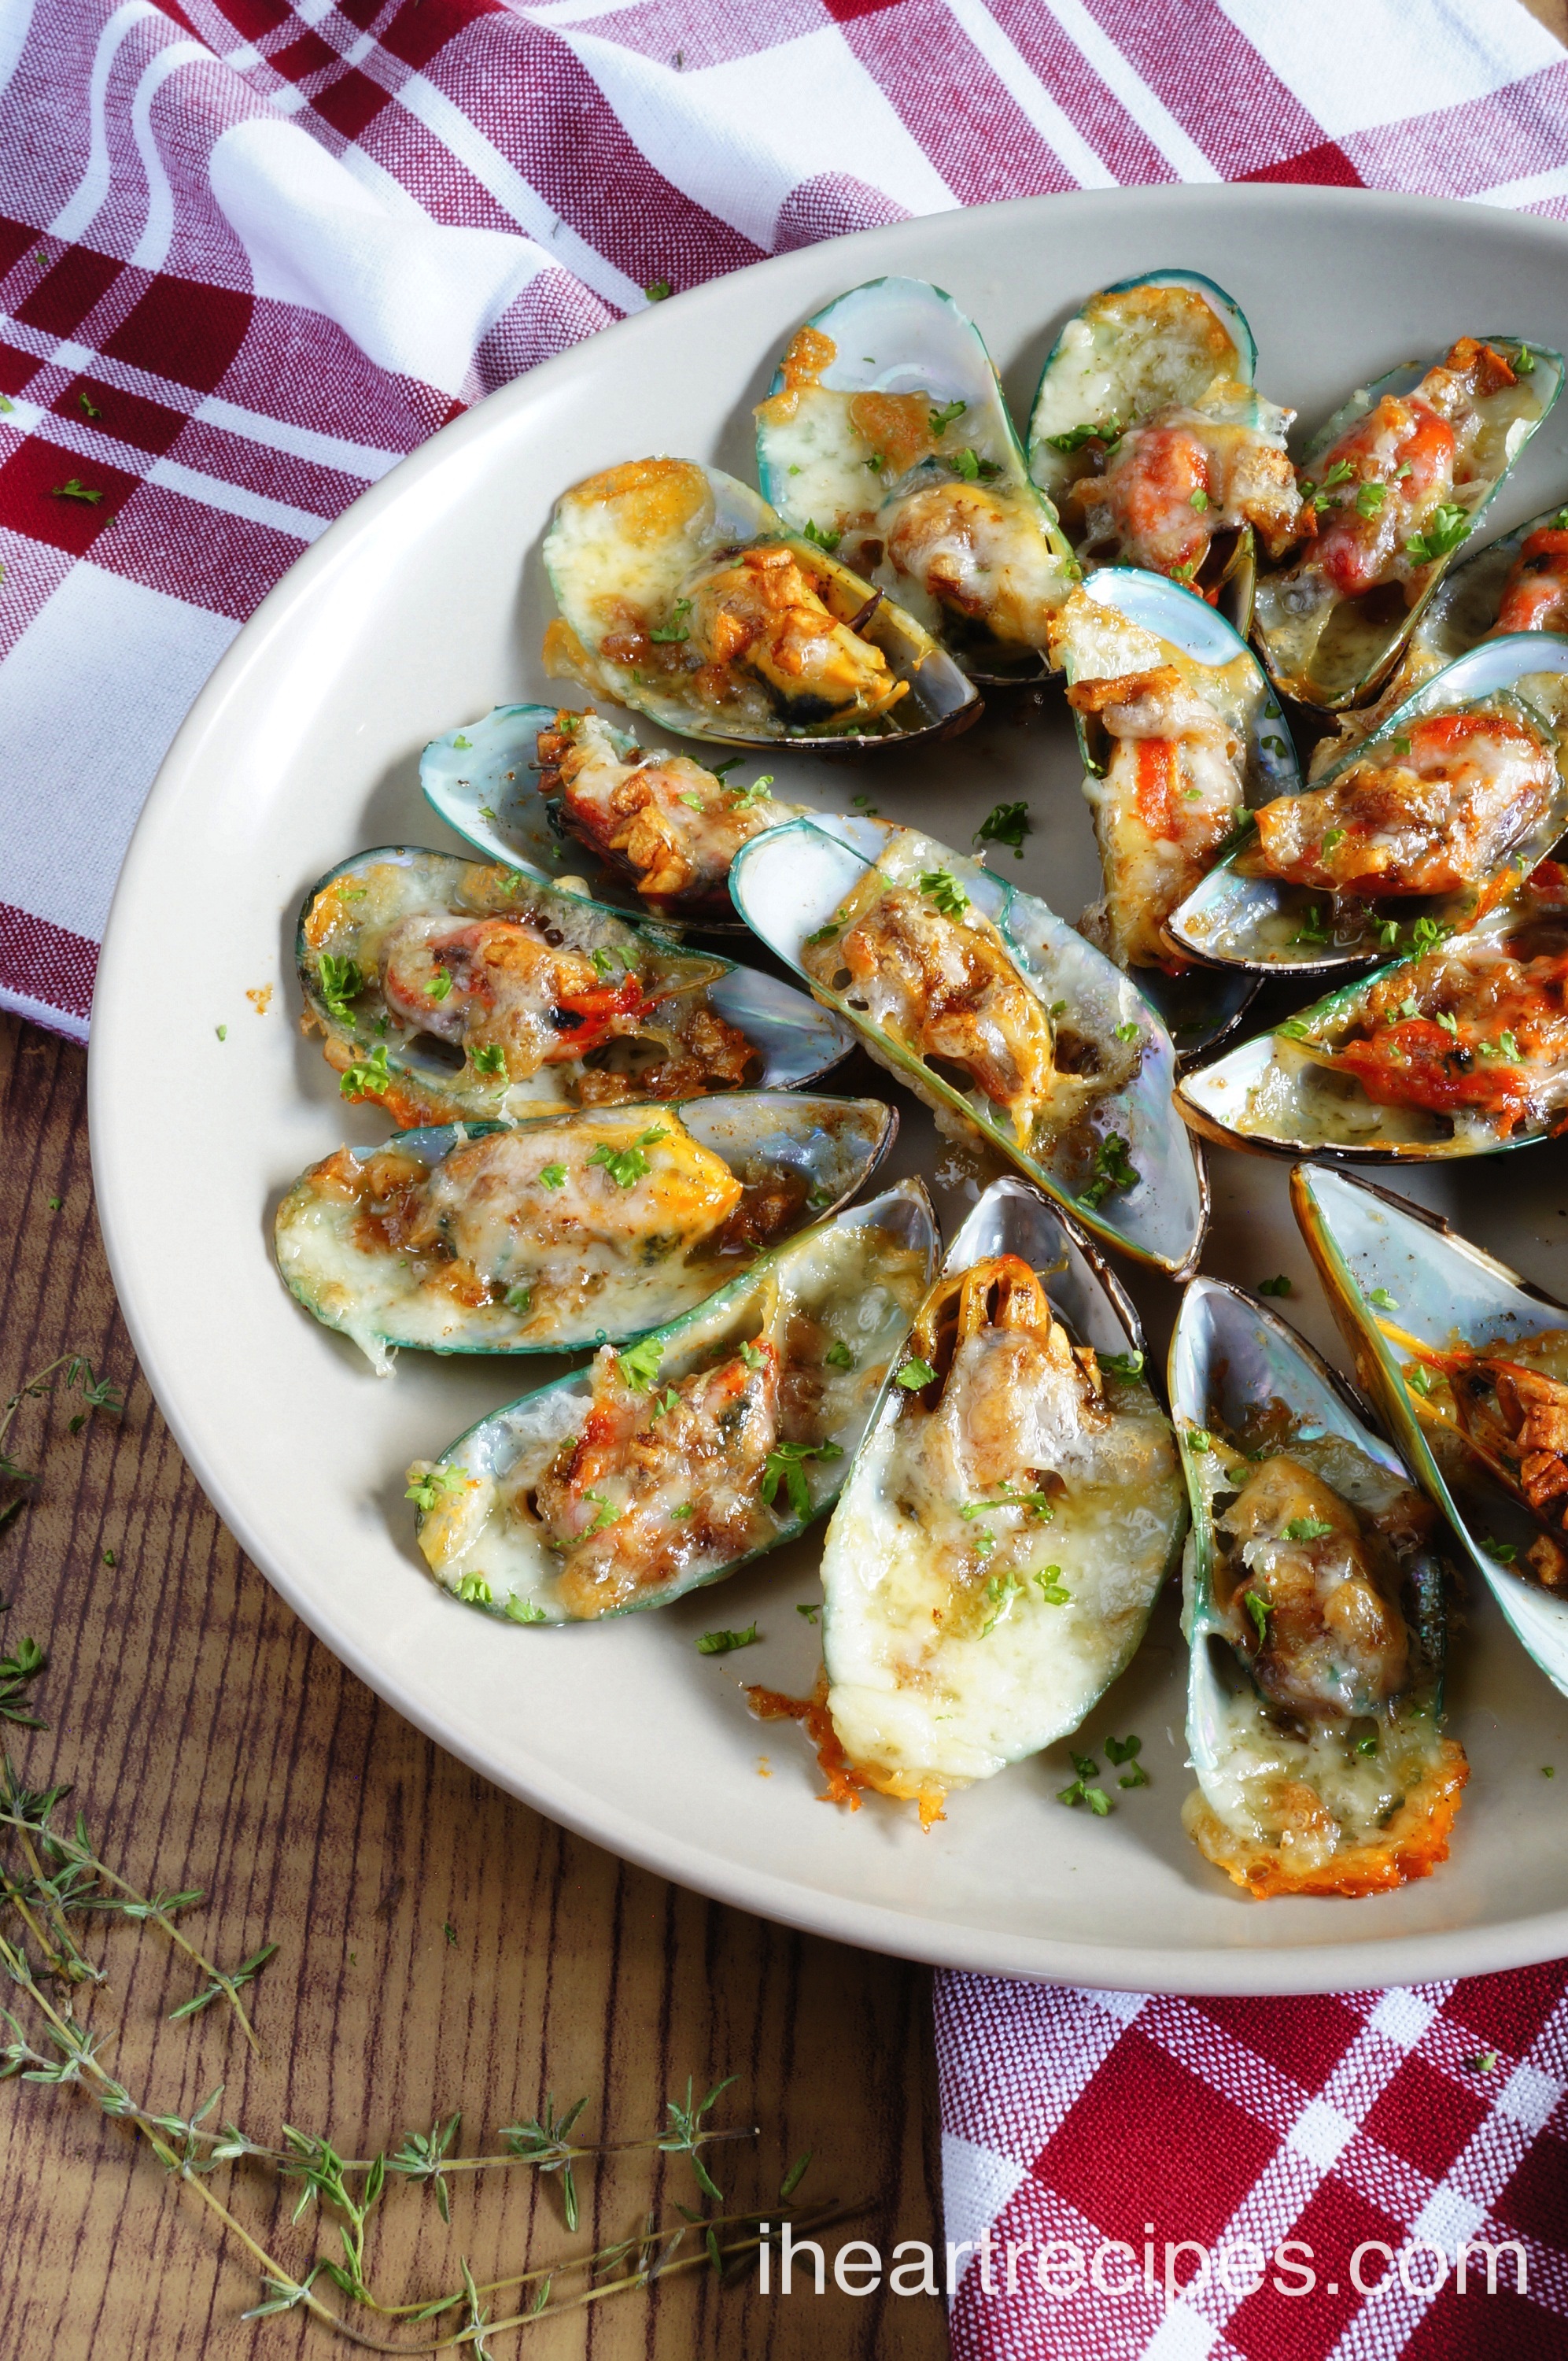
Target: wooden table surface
(440, 1946)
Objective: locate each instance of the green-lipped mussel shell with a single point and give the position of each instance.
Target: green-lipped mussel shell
(789, 882)
(796, 1041)
(1375, 1254)
(1105, 366)
(900, 337)
(1264, 926)
(1333, 653)
(825, 1148)
(1202, 1007)
(940, 700)
(1230, 1355)
(861, 1275)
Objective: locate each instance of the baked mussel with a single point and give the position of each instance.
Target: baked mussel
(665, 1466)
(1009, 1518)
(1438, 815)
(684, 595)
(885, 436)
(995, 1012)
(1458, 1048)
(577, 1229)
(1394, 485)
(1315, 1607)
(1468, 1366)
(540, 786)
(1153, 443)
(1181, 736)
(449, 991)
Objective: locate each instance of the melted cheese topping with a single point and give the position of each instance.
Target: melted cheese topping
(1313, 1765)
(511, 1237)
(1428, 814)
(993, 1564)
(673, 825)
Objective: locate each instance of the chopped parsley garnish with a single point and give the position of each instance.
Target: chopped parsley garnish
(1258, 1608)
(1122, 1365)
(722, 1643)
(1331, 837)
(839, 1357)
(518, 1299)
(967, 464)
(626, 1166)
(940, 886)
(785, 1465)
(1004, 824)
(1419, 1379)
(1098, 1801)
(1383, 1299)
(367, 1075)
(1112, 1170)
(74, 489)
(916, 1374)
(1311, 928)
(341, 982)
(475, 1590)
(523, 1610)
(90, 408)
(665, 1403)
(660, 290)
(1280, 1286)
(605, 962)
(1198, 500)
(1369, 498)
(1035, 1503)
(640, 1364)
(1305, 1529)
(1524, 362)
(687, 1509)
(608, 1514)
(1339, 473)
(1449, 526)
(1077, 436)
(1198, 1438)
(672, 633)
(1367, 1742)
(1238, 836)
(753, 1355)
(464, 743)
(811, 1609)
(1503, 1551)
(812, 531)
(1128, 1032)
(1128, 1750)
(552, 1176)
(693, 802)
(1000, 1592)
(439, 984)
(426, 1485)
(938, 421)
(1448, 1021)
(745, 798)
(1048, 1580)
(826, 934)
(489, 1058)
(1484, 2063)
(876, 463)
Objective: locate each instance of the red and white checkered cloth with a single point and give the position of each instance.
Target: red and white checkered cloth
(250, 255)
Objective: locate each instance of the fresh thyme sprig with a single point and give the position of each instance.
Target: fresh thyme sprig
(97, 1393)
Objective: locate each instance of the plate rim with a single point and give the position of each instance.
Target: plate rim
(1354, 1963)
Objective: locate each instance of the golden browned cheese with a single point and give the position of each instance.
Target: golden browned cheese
(896, 425)
(653, 500)
(1413, 1845)
(1165, 306)
(946, 988)
(810, 352)
(762, 613)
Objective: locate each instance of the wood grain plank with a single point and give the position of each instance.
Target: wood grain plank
(214, 1742)
(1552, 14)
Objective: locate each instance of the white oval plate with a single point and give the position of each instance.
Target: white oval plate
(418, 610)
